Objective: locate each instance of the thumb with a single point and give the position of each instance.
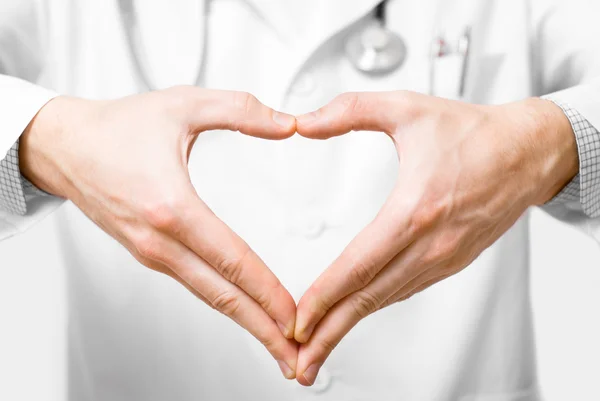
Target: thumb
(357, 111)
(236, 111)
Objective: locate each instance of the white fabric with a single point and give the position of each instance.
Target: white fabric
(584, 188)
(136, 335)
(19, 103)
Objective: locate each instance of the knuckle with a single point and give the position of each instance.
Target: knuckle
(447, 249)
(429, 258)
(147, 245)
(426, 216)
(226, 302)
(264, 300)
(403, 97)
(163, 215)
(319, 302)
(323, 302)
(267, 342)
(365, 303)
(410, 102)
(245, 102)
(231, 267)
(442, 250)
(177, 99)
(349, 100)
(351, 103)
(328, 345)
(360, 275)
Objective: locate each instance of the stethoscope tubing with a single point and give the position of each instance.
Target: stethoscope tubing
(132, 32)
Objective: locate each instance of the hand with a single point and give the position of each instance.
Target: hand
(467, 173)
(124, 164)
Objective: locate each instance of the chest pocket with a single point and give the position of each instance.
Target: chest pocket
(463, 71)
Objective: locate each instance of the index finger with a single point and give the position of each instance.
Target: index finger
(206, 235)
(373, 248)
(175, 259)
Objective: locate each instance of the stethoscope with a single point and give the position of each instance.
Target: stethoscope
(378, 51)
(374, 50)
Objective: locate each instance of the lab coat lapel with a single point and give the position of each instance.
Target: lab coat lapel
(308, 23)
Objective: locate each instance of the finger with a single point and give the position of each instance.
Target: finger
(223, 296)
(444, 263)
(237, 111)
(406, 281)
(328, 334)
(366, 111)
(160, 268)
(240, 307)
(407, 293)
(205, 234)
(346, 314)
(432, 257)
(357, 265)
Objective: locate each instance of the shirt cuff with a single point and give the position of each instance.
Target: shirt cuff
(585, 187)
(23, 100)
(15, 190)
(12, 195)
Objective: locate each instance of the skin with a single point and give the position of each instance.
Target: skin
(124, 164)
(467, 173)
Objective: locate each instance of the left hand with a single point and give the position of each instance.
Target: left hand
(467, 173)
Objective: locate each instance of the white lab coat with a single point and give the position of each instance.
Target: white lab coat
(137, 335)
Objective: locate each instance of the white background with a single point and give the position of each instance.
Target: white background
(566, 293)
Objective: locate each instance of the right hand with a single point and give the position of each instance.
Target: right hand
(124, 164)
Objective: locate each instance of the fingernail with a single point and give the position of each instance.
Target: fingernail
(307, 118)
(306, 333)
(284, 330)
(286, 370)
(310, 375)
(284, 120)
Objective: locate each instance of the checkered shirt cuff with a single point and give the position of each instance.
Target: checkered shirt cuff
(585, 187)
(15, 189)
(12, 195)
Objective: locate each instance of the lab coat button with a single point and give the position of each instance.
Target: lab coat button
(304, 85)
(314, 228)
(322, 382)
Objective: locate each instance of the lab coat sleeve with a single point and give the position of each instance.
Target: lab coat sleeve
(567, 69)
(21, 61)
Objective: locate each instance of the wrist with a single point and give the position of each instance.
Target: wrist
(44, 142)
(553, 148)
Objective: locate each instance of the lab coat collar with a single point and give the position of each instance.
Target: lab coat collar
(307, 23)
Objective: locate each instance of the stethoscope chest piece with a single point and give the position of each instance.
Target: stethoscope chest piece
(376, 50)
